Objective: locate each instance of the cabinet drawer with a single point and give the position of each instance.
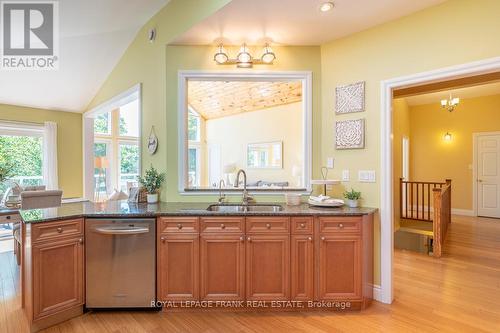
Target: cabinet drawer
(222, 224)
(10, 218)
(178, 224)
(268, 224)
(55, 230)
(302, 225)
(340, 224)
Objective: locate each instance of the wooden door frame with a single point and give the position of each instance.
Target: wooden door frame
(475, 137)
(385, 293)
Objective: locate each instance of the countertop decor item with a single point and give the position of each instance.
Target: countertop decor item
(152, 141)
(350, 98)
(292, 199)
(352, 197)
(325, 201)
(152, 181)
(350, 134)
(324, 181)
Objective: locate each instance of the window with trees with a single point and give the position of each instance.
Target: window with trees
(194, 149)
(116, 148)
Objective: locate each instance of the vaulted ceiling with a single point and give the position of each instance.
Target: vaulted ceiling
(216, 99)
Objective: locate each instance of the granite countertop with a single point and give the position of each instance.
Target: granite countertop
(121, 209)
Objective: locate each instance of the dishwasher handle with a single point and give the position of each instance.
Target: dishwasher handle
(117, 230)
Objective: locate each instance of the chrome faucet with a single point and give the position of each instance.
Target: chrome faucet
(222, 197)
(246, 198)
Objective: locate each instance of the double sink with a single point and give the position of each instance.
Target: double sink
(239, 208)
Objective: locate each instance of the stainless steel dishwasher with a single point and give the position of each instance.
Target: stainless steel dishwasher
(120, 260)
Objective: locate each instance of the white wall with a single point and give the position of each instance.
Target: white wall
(281, 123)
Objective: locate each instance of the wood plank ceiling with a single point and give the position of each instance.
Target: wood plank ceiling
(216, 99)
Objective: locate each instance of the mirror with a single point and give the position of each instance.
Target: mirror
(266, 155)
(253, 124)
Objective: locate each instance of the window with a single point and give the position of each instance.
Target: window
(22, 148)
(116, 149)
(194, 138)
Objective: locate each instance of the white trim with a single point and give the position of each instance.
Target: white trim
(475, 137)
(115, 102)
(386, 173)
(17, 128)
(377, 293)
(210, 75)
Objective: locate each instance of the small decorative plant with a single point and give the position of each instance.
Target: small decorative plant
(352, 197)
(152, 181)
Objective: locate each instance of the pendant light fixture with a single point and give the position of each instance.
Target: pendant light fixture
(244, 58)
(450, 104)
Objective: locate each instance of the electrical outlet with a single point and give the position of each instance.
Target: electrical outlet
(329, 162)
(366, 176)
(345, 175)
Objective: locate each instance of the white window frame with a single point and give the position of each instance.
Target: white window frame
(114, 103)
(207, 75)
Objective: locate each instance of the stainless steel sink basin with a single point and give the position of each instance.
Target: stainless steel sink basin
(244, 208)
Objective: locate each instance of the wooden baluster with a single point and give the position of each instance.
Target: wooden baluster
(401, 197)
(417, 205)
(423, 201)
(429, 201)
(411, 200)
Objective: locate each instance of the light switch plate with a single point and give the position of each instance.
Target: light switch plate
(329, 162)
(366, 176)
(345, 175)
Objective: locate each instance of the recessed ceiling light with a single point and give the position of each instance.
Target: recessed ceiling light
(326, 6)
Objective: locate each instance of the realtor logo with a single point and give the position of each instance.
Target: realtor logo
(30, 35)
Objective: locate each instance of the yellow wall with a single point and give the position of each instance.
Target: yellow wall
(282, 123)
(69, 142)
(452, 33)
(455, 32)
(434, 159)
(400, 129)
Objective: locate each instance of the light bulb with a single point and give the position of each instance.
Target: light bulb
(444, 102)
(268, 56)
(447, 136)
(221, 56)
(244, 56)
(326, 6)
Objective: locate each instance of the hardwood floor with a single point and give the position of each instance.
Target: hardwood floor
(459, 292)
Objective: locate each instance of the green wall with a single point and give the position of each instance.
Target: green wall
(69, 142)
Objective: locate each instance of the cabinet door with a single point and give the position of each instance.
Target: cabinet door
(268, 267)
(302, 267)
(222, 267)
(57, 276)
(178, 267)
(339, 267)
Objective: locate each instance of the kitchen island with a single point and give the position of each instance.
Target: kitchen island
(294, 258)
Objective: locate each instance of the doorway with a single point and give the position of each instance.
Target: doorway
(487, 174)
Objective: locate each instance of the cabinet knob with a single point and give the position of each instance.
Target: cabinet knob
(302, 225)
(59, 230)
(163, 239)
(249, 239)
(222, 226)
(310, 238)
(268, 226)
(80, 241)
(341, 225)
(242, 238)
(8, 217)
(179, 226)
(323, 238)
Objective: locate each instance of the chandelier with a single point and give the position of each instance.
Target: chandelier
(450, 104)
(244, 59)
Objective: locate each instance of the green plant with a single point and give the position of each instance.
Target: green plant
(152, 180)
(352, 195)
(5, 170)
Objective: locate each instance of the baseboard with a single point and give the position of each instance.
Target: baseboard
(377, 293)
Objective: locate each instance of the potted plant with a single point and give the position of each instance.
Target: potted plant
(352, 198)
(152, 181)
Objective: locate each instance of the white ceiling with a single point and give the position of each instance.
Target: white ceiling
(469, 92)
(295, 22)
(94, 34)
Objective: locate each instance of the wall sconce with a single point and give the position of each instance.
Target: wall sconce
(244, 59)
(450, 104)
(447, 137)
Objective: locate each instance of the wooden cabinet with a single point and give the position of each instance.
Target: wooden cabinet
(268, 267)
(57, 276)
(302, 267)
(222, 266)
(178, 267)
(52, 271)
